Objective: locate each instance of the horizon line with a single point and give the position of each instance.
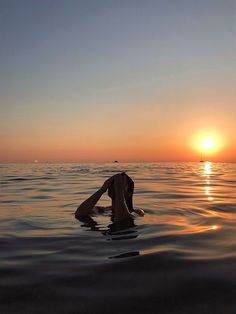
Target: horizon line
(112, 162)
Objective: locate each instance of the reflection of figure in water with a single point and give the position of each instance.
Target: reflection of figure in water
(120, 189)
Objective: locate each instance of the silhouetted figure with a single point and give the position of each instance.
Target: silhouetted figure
(120, 189)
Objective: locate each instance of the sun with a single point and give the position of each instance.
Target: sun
(207, 144)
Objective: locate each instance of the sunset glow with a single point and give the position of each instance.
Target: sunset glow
(147, 85)
(208, 144)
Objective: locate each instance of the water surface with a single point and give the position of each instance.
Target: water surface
(179, 258)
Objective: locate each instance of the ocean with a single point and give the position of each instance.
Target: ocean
(179, 258)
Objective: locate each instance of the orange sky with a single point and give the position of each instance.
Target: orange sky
(150, 135)
(100, 84)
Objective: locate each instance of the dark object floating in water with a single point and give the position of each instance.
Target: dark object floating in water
(116, 161)
(129, 254)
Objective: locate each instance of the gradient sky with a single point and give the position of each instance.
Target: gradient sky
(131, 80)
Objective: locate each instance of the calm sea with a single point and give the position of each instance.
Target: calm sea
(179, 258)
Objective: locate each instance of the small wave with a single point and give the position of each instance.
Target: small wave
(223, 207)
(128, 254)
(48, 190)
(42, 197)
(8, 201)
(4, 182)
(19, 179)
(31, 225)
(69, 205)
(173, 195)
(22, 224)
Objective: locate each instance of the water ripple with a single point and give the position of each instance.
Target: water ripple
(179, 258)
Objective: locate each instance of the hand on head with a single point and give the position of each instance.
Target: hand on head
(117, 178)
(120, 189)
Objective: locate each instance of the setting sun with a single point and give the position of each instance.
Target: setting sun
(207, 144)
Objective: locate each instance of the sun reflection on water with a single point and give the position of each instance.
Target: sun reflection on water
(207, 171)
(207, 190)
(208, 168)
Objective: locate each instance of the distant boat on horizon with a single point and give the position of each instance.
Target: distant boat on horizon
(201, 159)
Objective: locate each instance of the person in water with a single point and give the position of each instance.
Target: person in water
(120, 189)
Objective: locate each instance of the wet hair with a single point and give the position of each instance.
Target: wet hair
(130, 190)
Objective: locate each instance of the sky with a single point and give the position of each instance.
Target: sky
(126, 80)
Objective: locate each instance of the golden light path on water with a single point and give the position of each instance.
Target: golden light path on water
(184, 224)
(208, 188)
(207, 173)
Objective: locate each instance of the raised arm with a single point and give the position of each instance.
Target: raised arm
(86, 207)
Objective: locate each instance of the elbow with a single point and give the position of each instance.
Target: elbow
(77, 213)
(80, 212)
